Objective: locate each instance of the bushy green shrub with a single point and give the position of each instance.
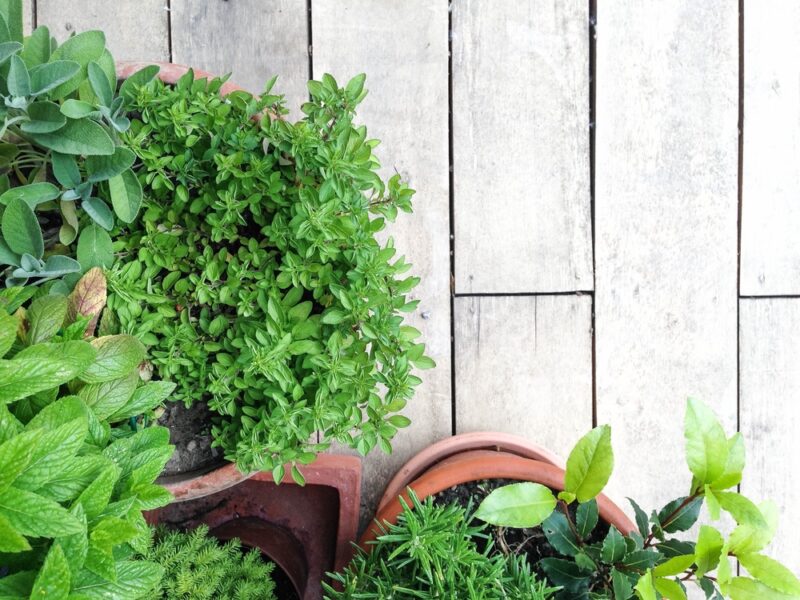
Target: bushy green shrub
(432, 553)
(72, 488)
(199, 567)
(652, 562)
(61, 161)
(255, 274)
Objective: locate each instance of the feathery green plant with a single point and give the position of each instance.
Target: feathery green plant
(199, 567)
(431, 553)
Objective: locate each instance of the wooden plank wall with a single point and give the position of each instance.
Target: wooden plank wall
(573, 272)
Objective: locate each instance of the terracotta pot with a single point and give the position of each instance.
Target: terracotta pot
(170, 73)
(475, 465)
(320, 518)
(450, 446)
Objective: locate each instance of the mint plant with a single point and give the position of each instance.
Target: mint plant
(61, 160)
(431, 552)
(199, 567)
(651, 563)
(74, 477)
(255, 274)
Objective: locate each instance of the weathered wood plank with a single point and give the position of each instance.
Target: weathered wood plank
(666, 231)
(524, 366)
(252, 39)
(521, 146)
(402, 47)
(135, 29)
(27, 16)
(769, 345)
(771, 161)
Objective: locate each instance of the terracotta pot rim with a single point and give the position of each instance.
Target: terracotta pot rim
(478, 465)
(463, 442)
(170, 73)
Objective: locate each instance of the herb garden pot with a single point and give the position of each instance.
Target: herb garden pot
(307, 530)
(437, 469)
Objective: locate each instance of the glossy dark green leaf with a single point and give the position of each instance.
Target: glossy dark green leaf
(560, 535)
(586, 518)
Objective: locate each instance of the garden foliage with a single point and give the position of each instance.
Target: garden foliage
(652, 562)
(74, 477)
(255, 272)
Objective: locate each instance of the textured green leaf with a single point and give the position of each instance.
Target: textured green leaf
(15, 456)
(95, 497)
(614, 548)
(33, 515)
(101, 168)
(99, 212)
(517, 505)
(559, 534)
(744, 588)
(77, 109)
(641, 559)
(676, 516)
(135, 579)
(586, 518)
(32, 193)
(17, 586)
(101, 86)
(645, 589)
(78, 136)
(109, 396)
(126, 195)
(567, 574)
(709, 545)
(95, 248)
(83, 49)
(642, 522)
(21, 229)
(45, 117)
(37, 47)
(42, 367)
(52, 454)
(669, 589)
(45, 317)
(145, 398)
(7, 49)
(65, 170)
(127, 88)
(53, 580)
(19, 81)
(11, 12)
(10, 539)
(117, 356)
(706, 444)
(47, 77)
(74, 476)
(590, 464)
(621, 585)
(76, 545)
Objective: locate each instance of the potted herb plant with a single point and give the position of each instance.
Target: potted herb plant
(436, 552)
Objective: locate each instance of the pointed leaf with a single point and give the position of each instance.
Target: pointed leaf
(33, 515)
(45, 117)
(706, 444)
(45, 317)
(95, 248)
(53, 580)
(21, 229)
(19, 81)
(590, 464)
(770, 572)
(586, 518)
(117, 356)
(78, 136)
(48, 76)
(517, 505)
(558, 533)
(614, 548)
(101, 168)
(126, 195)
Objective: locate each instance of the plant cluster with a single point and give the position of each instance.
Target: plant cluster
(255, 274)
(198, 567)
(61, 160)
(432, 553)
(74, 479)
(651, 563)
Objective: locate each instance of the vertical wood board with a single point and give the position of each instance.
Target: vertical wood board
(770, 414)
(524, 366)
(134, 30)
(666, 232)
(771, 158)
(521, 146)
(251, 39)
(402, 47)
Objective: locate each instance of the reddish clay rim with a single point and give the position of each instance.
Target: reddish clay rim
(479, 440)
(170, 73)
(477, 465)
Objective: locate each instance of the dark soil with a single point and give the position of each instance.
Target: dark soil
(190, 433)
(530, 542)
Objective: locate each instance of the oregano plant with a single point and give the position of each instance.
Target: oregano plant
(652, 562)
(61, 159)
(255, 273)
(75, 477)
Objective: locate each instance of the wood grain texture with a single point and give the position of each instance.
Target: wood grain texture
(666, 231)
(770, 414)
(521, 146)
(771, 161)
(252, 39)
(402, 47)
(135, 29)
(524, 366)
(27, 16)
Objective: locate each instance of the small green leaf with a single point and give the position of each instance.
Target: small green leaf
(101, 86)
(117, 356)
(566, 574)
(95, 248)
(645, 589)
(706, 444)
(732, 474)
(614, 547)
(621, 586)
(77, 109)
(45, 117)
(126, 195)
(21, 229)
(19, 81)
(559, 534)
(586, 518)
(33, 194)
(770, 572)
(590, 464)
(101, 168)
(679, 515)
(8, 49)
(669, 589)
(517, 505)
(127, 89)
(99, 212)
(65, 170)
(145, 398)
(642, 522)
(674, 566)
(48, 76)
(707, 549)
(53, 580)
(10, 539)
(45, 317)
(297, 476)
(83, 49)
